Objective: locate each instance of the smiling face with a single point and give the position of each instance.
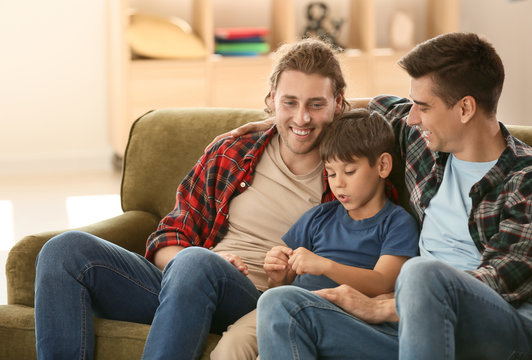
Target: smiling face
(304, 106)
(358, 185)
(440, 125)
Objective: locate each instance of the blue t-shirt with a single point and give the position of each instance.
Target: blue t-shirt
(445, 232)
(328, 231)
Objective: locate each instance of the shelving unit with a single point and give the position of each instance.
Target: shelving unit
(138, 86)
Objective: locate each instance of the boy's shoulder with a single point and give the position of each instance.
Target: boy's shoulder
(321, 210)
(396, 214)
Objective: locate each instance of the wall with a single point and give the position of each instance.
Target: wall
(53, 71)
(507, 24)
(53, 85)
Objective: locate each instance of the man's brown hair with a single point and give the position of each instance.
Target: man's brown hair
(357, 133)
(460, 64)
(310, 56)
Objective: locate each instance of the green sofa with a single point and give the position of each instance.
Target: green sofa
(163, 146)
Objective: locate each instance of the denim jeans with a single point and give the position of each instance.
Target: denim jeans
(80, 276)
(445, 314)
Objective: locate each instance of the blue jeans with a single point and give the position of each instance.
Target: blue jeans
(445, 314)
(80, 276)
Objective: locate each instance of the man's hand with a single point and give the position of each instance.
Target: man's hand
(370, 310)
(236, 261)
(304, 261)
(276, 265)
(245, 129)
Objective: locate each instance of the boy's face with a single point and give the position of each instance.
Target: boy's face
(357, 185)
(440, 125)
(304, 106)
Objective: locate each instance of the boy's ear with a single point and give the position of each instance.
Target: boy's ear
(384, 164)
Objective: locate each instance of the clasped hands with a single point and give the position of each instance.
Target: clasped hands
(282, 264)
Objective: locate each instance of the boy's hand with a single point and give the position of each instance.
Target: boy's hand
(236, 261)
(276, 264)
(304, 261)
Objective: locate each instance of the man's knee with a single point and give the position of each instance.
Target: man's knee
(64, 249)
(195, 265)
(197, 258)
(418, 272)
(422, 281)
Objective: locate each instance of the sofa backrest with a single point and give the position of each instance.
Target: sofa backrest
(165, 144)
(163, 147)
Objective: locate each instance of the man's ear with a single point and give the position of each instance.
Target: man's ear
(468, 108)
(338, 103)
(384, 164)
(271, 100)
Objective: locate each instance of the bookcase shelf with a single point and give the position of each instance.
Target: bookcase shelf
(137, 86)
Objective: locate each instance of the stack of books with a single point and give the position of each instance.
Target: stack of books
(241, 41)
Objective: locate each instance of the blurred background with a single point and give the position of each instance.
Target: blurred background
(64, 118)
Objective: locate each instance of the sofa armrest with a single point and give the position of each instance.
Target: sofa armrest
(129, 230)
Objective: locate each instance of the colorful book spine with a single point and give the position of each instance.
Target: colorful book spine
(241, 41)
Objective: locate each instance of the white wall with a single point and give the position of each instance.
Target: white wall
(53, 75)
(53, 85)
(508, 25)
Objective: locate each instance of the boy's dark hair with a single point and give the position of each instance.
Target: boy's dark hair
(357, 133)
(460, 64)
(310, 56)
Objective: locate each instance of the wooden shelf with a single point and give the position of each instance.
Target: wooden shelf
(138, 86)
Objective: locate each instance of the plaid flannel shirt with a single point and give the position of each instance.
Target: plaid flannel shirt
(200, 216)
(501, 214)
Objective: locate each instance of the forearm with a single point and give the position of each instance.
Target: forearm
(163, 256)
(368, 282)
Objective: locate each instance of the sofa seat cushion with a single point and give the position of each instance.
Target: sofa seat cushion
(117, 340)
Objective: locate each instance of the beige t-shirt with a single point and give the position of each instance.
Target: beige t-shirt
(263, 213)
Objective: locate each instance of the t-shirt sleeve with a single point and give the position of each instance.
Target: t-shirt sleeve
(301, 233)
(401, 235)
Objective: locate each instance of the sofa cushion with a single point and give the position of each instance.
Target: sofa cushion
(115, 340)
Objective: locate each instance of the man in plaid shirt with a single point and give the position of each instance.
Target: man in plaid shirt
(469, 294)
(181, 287)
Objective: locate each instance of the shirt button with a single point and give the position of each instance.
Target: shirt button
(242, 184)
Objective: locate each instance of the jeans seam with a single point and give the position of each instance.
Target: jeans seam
(115, 270)
(83, 345)
(291, 336)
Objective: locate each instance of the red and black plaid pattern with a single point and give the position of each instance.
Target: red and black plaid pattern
(223, 172)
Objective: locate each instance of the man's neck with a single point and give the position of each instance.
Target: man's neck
(299, 164)
(485, 142)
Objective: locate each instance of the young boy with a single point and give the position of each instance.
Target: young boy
(361, 239)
